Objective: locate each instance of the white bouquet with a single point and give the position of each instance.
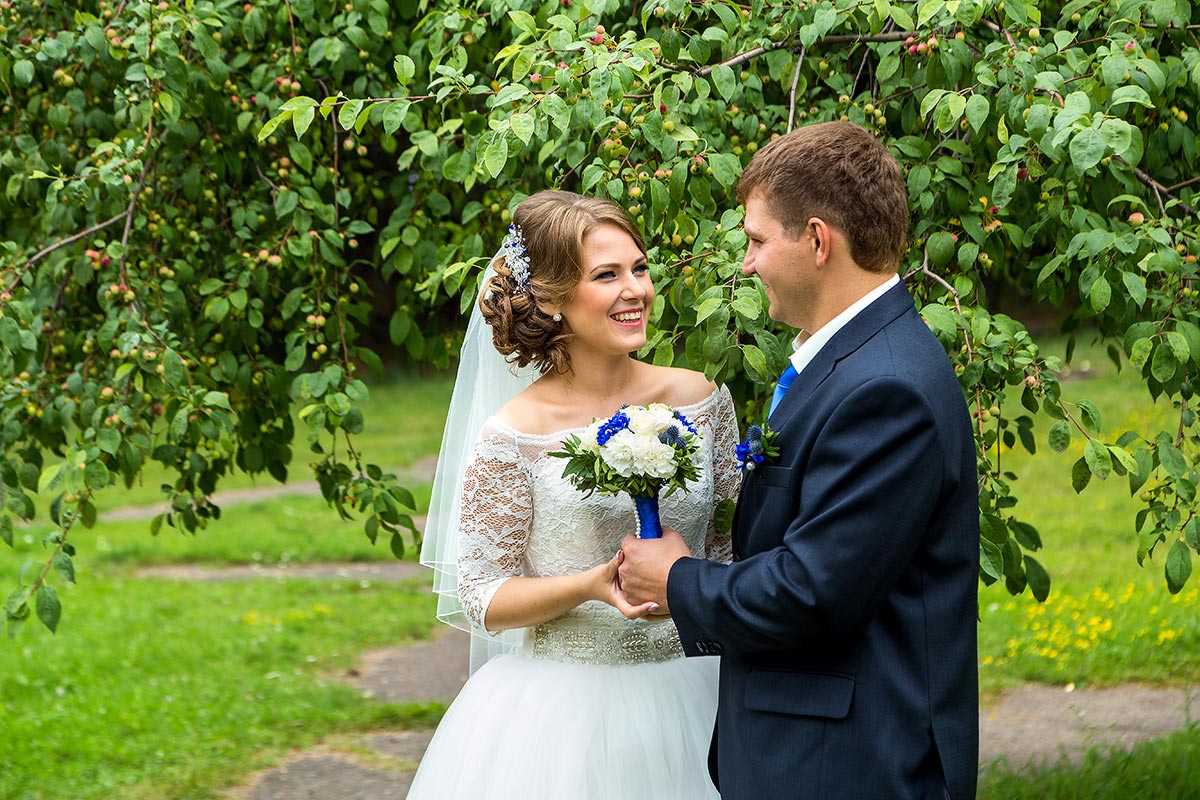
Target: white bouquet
(640, 450)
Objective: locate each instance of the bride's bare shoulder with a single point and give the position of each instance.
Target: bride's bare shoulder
(682, 387)
(523, 412)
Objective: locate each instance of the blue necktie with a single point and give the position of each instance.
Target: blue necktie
(785, 382)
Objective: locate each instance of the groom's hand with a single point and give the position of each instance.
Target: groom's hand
(646, 565)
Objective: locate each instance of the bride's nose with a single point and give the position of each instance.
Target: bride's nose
(632, 288)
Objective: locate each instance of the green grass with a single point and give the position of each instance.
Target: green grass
(1164, 769)
(161, 689)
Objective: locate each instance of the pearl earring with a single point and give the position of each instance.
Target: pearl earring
(557, 317)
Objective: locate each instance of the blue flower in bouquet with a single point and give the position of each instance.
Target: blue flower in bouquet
(612, 426)
(685, 422)
(673, 437)
(756, 448)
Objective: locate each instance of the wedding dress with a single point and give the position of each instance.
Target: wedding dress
(592, 706)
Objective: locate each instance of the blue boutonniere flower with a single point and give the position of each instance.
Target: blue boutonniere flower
(758, 448)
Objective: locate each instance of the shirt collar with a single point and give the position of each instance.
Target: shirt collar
(806, 345)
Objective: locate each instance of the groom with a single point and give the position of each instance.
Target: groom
(846, 622)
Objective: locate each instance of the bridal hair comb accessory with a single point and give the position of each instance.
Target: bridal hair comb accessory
(516, 257)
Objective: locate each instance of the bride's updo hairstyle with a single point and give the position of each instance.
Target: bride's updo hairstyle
(553, 225)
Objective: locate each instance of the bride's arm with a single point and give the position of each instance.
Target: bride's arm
(727, 480)
(497, 513)
(520, 602)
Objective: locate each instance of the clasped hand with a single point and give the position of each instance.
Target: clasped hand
(637, 574)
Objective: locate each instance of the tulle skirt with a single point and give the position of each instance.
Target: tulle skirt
(526, 728)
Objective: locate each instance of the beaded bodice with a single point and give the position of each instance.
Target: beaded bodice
(521, 517)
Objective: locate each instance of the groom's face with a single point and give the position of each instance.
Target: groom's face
(781, 261)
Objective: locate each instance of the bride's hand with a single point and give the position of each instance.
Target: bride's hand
(608, 589)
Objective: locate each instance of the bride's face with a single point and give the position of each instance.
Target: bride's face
(609, 308)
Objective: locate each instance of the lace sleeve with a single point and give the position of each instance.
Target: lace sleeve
(727, 480)
(497, 512)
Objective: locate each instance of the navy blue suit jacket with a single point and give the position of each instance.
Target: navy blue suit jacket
(846, 624)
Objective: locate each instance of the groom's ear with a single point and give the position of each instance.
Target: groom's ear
(822, 239)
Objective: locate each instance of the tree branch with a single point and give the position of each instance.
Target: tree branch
(1158, 187)
(795, 81)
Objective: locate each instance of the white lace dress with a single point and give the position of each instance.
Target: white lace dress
(592, 706)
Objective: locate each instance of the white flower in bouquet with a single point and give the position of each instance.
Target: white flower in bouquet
(619, 453)
(588, 442)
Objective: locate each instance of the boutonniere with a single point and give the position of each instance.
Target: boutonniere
(758, 448)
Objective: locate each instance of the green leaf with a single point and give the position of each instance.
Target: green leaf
(1039, 580)
(1179, 566)
(397, 544)
(1099, 460)
(96, 475)
(1060, 436)
(23, 70)
(723, 516)
(49, 609)
(756, 362)
(1139, 354)
(216, 309)
(901, 17)
(1130, 94)
(978, 108)
(172, 369)
(1087, 148)
(991, 559)
(50, 477)
(725, 81)
(348, 113)
(64, 566)
(1163, 366)
(522, 126)
(1179, 346)
(708, 308)
(216, 400)
(394, 114)
(405, 69)
(6, 530)
(495, 156)
(726, 168)
(108, 440)
(1100, 295)
(302, 119)
(1081, 475)
(1172, 460)
(1136, 286)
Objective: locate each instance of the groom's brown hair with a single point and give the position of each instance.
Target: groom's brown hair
(841, 173)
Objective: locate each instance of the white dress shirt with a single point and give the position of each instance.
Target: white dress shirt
(806, 349)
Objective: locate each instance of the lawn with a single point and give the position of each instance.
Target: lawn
(165, 689)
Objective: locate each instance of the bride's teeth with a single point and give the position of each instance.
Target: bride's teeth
(630, 316)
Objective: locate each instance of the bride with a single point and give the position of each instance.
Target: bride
(576, 701)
